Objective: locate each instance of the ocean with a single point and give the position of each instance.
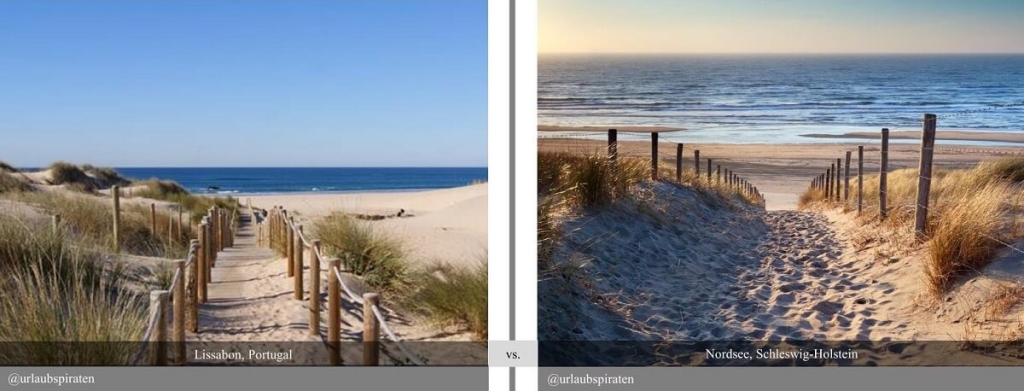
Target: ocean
(289, 180)
(777, 98)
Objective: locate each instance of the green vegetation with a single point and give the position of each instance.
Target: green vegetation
(90, 221)
(450, 295)
(11, 184)
(197, 206)
(364, 251)
(4, 167)
(52, 293)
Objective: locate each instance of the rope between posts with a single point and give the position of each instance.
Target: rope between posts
(380, 317)
(394, 338)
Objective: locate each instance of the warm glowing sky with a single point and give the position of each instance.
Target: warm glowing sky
(781, 26)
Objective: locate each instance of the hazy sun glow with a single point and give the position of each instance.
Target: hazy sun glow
(780, 26)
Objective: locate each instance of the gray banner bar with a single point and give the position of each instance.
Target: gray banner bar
(789, 378)
(243, 378)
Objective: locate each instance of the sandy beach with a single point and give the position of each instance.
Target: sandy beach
(782, 171)
(447, 225)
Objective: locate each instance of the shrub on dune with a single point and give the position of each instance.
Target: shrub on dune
(4, 167)
(363, 250)
(452, 296)
(11, 184)
(63, 173)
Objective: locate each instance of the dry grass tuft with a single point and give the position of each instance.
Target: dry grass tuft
(1005, 297)
(971, 212)
(4, 167)
(452, 296)
(364, 250)
(11, 184)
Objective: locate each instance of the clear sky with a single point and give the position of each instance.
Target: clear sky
(781, 26)
(244, 83)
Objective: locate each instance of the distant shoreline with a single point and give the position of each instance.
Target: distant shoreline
(596, 129)
(954, 135)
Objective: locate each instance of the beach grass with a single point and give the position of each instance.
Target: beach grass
(452, 296)
(364, 250)
(54, 294)
(972, 212)
(11, 184)
(4, 167)
(90, 221)
(171, 191)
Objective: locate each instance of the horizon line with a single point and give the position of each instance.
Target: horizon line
(790, 53)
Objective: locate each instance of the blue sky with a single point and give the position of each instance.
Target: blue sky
(244, 83)
(780, 26)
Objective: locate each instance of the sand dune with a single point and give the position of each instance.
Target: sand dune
(678, 268)
(448, 225)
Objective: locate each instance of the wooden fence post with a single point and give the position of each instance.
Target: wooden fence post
(371, 330)
(613, 147)
(679, 162)
(297, 249)
(181, 231)
(202, 259)
(179, 314)
(718, 174)
(152, 218)
(828, 182)
(193, 302)
(846, 185)
(709, 170)
(924, 181)
(116, 192)
(696, 163)
(860, 179)
(839, 178)
(654, 156)
(314, 289)
(883, 172)
(158, 340)
(333, 313)
(290, 247)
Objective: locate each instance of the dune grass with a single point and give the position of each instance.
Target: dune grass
(197, 206)
(972, 211)
(64, 173)
(10, 184)
(451, 296)
(52, 294)
(364, 250)
(4, 167)
(571, 182)
(90, 221)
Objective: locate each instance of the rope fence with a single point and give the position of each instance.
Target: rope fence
(711, 173)
(287, 236)
(186, 292)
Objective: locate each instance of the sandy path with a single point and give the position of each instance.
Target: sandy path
(806, 286)
(250, 305)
